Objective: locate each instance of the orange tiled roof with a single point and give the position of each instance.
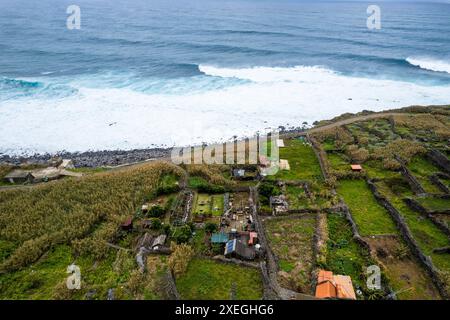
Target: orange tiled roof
(334, 286)
(326, 290)
(324, 276)
(344, 287)
(356, 167)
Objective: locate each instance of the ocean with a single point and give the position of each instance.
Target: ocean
(162, 73)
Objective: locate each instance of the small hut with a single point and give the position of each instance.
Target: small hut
(19, 176)
(159, 241)
(127, 225)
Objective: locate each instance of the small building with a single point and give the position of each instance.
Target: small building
(55, 162)
(280, 143)
(127, 225)
(159, 241)
(331, 286)
(66, 164)
(238, 173)
(19, 176)
(46, 174)
(39, 175)
(144, 208)
(356, 167)
(253, 238)
(219, 238)
(237, 249)
(284, 165)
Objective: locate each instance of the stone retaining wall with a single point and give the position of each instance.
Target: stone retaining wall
(236, 261)
(323, 162)
(416, 206)
(239, 189)
(346, 211)
(270, 267)
(409, 239)
(439, 159)
(320, 239)
(412, 181)
(171, 288)
(437, 182)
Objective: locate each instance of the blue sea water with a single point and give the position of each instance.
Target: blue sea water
(174, 61)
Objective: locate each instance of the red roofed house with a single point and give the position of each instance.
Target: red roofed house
(253, 236)
(356, 167)
(127, 225)
(331, 286)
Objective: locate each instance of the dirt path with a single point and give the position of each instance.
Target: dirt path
(351, 120)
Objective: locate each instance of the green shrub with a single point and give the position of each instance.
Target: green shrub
(156, 224)
(156, 211)
(182, 234)
(210, 227)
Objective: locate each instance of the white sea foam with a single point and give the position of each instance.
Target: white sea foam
(120, 118)
(430, 64)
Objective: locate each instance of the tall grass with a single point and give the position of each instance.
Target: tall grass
(68, 210)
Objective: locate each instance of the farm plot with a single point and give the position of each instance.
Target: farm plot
(344, 255)
(302, 160)
(208, 279)
(404, 273)
(209, 205)
(427, 235)
(291, 239)
(371, 218)
(434, 204)
(422, 169)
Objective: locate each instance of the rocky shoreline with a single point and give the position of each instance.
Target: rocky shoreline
(92, 159)
(106, 158)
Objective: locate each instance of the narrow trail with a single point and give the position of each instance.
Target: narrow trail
(349, 121)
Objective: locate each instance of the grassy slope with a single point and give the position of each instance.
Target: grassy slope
(60, 213)
(370, 217)
(291, 238)
(344, 255)
(41, 279)
(424, 231)
(434, 204)
(207, 279)
(337, 162)
(422, 169)
(302, 160)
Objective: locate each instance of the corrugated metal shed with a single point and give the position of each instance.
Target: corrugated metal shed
(219, 238)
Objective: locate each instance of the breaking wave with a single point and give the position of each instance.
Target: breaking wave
(109, 113)
(430, 64)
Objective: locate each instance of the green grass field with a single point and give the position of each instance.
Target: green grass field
(208, 279)
(194, 182)
(370, 217)
(344, 255)
(374, 169)
(338, 162)
(434, 204)
(296, 197)
(302, 160)
(208, 204)
(422, 169)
